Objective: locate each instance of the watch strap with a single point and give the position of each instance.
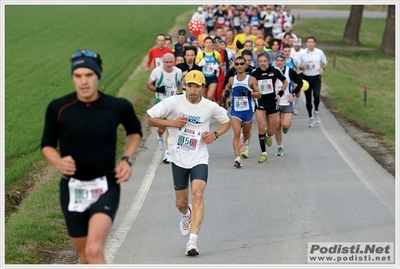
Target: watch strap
(128, 159)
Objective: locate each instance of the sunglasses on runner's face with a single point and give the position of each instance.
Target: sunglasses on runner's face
(241, 63)
(87, 53)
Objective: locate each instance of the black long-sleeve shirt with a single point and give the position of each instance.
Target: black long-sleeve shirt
(88, 131)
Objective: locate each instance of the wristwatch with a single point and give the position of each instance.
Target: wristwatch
(216, 135)
(128, 159)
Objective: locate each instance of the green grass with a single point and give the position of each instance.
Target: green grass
(345, 87)
(340, 7)
(331, 30)
(38, 226)
(37, 60)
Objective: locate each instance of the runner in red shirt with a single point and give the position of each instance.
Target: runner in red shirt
(156, 54)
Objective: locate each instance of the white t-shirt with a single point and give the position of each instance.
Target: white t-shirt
(313, 60)
(268, 19)
(199, 16)
(297, 55)
(284, 101)
(186, 145)
(169, 80)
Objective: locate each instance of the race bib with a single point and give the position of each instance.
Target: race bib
(241, 103)
(221, 20)
(208, 69)
(265, 86)
(311, 65)
(170, 91)
(82, 194)
(187, 141)
(159, 62)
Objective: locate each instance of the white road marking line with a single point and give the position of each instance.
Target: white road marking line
(357, 170)
(120, 235)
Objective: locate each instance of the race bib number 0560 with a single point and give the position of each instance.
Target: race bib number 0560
(187, 142)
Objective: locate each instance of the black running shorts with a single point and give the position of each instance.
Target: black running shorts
(269, 105)
(78, 222)
(181, 175)
(209, 80)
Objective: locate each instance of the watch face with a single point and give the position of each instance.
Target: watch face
(128, 159)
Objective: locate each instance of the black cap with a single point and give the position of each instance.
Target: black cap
(182, 32)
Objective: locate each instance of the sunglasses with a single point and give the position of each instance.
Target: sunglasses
(241, 63)
(87, 53)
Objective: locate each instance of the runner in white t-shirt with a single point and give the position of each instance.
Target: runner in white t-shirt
(296, 53)
(313, 63)
(188, 119)
(285, 107)
(165, 81)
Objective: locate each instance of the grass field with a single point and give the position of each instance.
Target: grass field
(37, 68)
(37, 61)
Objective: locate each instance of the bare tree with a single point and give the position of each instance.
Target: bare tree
(353, 25)
(388, 41)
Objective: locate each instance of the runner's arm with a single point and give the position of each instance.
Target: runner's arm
(66, 165)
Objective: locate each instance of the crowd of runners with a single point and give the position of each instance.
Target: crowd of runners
(263, 35)
(247, 60)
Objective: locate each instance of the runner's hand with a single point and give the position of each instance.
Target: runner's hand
(278, 99)
(67, 166)
(208, 137)
(160, 89)
(245, 92)
(227, 93)
(180, 122)
(123, 171)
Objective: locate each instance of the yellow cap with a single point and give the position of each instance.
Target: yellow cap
(195, 76)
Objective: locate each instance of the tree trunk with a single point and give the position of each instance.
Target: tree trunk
(353, 25)
(388, 41)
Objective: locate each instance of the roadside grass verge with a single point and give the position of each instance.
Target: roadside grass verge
(37, 228)
(345, 89)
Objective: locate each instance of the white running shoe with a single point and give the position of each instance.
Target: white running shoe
(295, 112)
(316, 116)
(238, 163)
(184, 225)
(279, 152)
(160, 143)
(166, 155)
(311, 122)
(191, 248)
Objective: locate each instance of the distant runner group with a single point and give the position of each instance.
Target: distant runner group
(255, 32)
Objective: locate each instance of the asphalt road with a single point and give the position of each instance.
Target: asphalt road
(326, 188)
